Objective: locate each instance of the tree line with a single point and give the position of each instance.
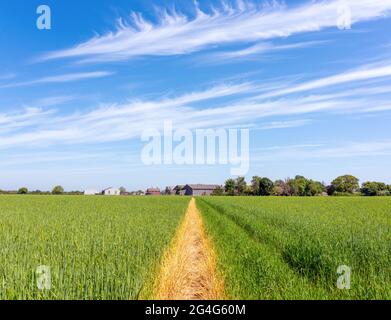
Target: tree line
(346, 185)
(57, 190)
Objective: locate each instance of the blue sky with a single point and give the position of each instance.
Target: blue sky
(75, 99)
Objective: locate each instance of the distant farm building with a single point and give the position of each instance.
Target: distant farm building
(179, 190)
(153, 192)
(111, 192)
(91, 192)
(200, 189)
(137, 193)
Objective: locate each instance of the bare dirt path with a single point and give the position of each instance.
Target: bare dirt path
(188, 269)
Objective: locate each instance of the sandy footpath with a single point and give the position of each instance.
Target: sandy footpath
(188, 269)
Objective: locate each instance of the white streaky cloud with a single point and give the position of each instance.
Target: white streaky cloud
(178, 34)
(242, 105)
(347, 150)
(365, 73)
(121, 122)
(289, 147)
(99, 155)
(352, 92)
(219, 91)
(284, 124)
(74, 77)
(33, 114)
(70, 77)
(104, 123)
(258, 49)
(47, 157)
(26, 117)
(53, 101)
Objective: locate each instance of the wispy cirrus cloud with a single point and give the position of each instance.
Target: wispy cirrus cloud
(284, 124)
(257, 50)
(119, 122)
(53, 101)
(243, 103)
(218, 91)
(177, 34)
(368, 72)
(34, 114)
(23, 118)
(344, 150)
(62, 78)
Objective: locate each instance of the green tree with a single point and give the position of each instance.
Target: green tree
(280, 188)
(248, 191)
(314, 188)
(265, 187)
(240, 185)
(58, 190)
(23, 190)
(229, 187)
(330, 190)
(370, 188)
(345, 184)
(301, 186)
(292, 189)
(255, 185)
(296, 187)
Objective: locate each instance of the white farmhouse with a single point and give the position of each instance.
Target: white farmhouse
(111, 192)
(91, 192)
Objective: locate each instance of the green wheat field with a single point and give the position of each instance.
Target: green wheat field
(266, 247)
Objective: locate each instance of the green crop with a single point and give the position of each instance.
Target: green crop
(291, 248)
(267, 248)
(95, 247)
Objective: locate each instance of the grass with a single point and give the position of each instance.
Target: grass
(96, 247)
(290, 248)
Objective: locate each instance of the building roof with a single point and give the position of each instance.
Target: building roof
(109, 188)
(203, 186)
(153, 190)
